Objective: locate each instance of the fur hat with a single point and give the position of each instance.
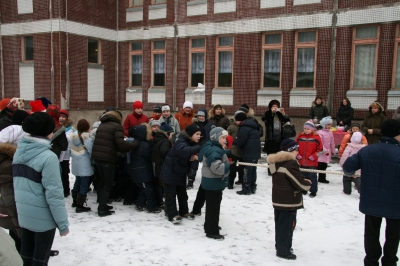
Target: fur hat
(16, 104)
(377, 104)
(245, 108)
(325, 121)
(64, 113)
(188, 104)
(137, 105)
(18, 117)
(192, 129)
(356, 137)
(157, 109)
(309, 124)
(3, 103)
(46, 102)
(289, 145)
(166, 128)
(217, 105)
(217, 132)
(390, 128)
(37, 106)
(240, 116)
(274, 102)
(82, 125)
(38, 124)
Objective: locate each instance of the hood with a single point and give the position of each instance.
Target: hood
(74, 139)
(141, 132)
(281, 156)
(111, 116)
(322, 103)
(160, 135)
(30, 147)
(249, 123)
(7, 150)
(356, 146)
(68, 123)
(211, 113)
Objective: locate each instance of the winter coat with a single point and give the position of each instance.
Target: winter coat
(272, 145)
(161, 147)
(250, 116)
(9, 254)
(287, 181)
(37, 186)
(184, 119)
(140, 164)
(345, 114)
(172, 122)
(110, 139)
(12, 134)
(374, 122)
(5, 118)
(379, 164)
(95, 126)
(69, 131)
(215, 171)
(177, 163)
(134, 120)
(59, 142)
(248, 138)
(81, 164)
(319, 111)
(351, 149)
(328, 145)
(7, 199)
(205, 128)
(310, 145)
(346, 140)
(232, 131)
(218, 120)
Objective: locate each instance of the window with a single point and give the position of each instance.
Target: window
(155, 2)
(93, 51)
(136, 57)
(305, 58)
(197, 53)
(271, 58)
(158, 55)
(396, 65)
(224, 61)
(136, 2)
(27, 48)
(364, 57)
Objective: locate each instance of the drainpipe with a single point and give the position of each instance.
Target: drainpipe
(333, 56)
(67, 85)
(117, 65)
(175, 77)
(52, 53)
(1, 63)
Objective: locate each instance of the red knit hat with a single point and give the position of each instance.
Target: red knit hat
(37, 106)
(137, 105)
(3, 103)
(64, 113)
(54, 111)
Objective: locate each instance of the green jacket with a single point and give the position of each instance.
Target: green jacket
(374, 122)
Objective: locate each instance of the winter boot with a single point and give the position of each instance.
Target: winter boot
(291, 256)
(216, 237)
(103, 210)
(190, 184)
(189, 216)
(176, 220)
(81, 199)
(74, 195)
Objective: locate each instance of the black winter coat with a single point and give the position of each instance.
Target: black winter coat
(205, 128)
(271, 145)
(177, 163)
(248, 138)
(319, 111)
(345, 114)
(161, 147)
(59, 142)
(110, 139)
(140, 163)
(5, 118)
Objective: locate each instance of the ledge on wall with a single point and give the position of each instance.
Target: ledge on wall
(222, 96)
(195, 96)
(300, 97)
(133, 94)
(134, 14)
(361, 99)
(156, 95)
(264, 96)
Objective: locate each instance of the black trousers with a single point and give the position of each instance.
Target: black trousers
(171, 193)
(235, 169)
(14, 235)
(372, 246)
(106, 174)
(213, 207)
(322, 166)
(285, 222)
(36, 246)
(200, 200)
(347, 184)
(65, 175)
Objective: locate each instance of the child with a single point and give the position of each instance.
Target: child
(287, 183)
(352, 148)
(328, 144)
(155, 125)
(214, 178)
(156, 113)
(346, 139)
(81, 149)
(310, 145)
(170, 120)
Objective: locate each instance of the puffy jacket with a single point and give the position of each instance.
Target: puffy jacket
(345, 114)
(328, 145)
(205, 128)
(5, 118)
(310, 145)
(287, 181)
(218, 120)
(110, 139)
(379, 164)
(177, 163)
(184, 119)
(374, 122)
(232, 131)
(37, 186)
(271, 143)
(215, 166)
(351, 149)
(7, 199)
(346, 140)
(80, 155)
(161, 147)
(12, 134)
(132, 120)
(248, 138)
(319, 111)
(59, 142)
(250, 116)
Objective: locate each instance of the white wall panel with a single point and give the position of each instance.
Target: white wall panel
(25, 6)
(224, 7)
(158, 13)
(196, 10)
(27, 81)
(134, 15)
(95, 84)
(306, 2)
(272, 3)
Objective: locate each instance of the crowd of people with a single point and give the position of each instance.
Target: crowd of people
(151, 162)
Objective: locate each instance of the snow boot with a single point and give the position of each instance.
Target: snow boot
(176, 220)
(155, 210)
(74, 195)
(291, 256)
(189, 216)
(313, 194)
(81, 199)
(243, 192)
(196, 213)
(216, 237)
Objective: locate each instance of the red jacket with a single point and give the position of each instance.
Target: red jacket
(183, 119)
(134, 120)
(309, 146)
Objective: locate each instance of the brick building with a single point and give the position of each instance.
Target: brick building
(88, 55)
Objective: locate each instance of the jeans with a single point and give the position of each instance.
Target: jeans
(312, 177)
(171, 192)
(64, 165)
(250, 177)
(285, 222)
(372, 246)
(146, 194)
(200, 200)
(347, 184)
(81, 185)
(36, 246)
(213, 207)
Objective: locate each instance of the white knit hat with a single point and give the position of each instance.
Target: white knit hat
(325, 121)
(188, 104)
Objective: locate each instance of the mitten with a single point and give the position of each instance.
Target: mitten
(311, 158)
(298, 157)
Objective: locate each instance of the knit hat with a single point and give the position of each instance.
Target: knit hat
(309, 124)
(217, 132)
(356, 137)
(188, 104)
(37, 106)
(192, 129)
(137, 105)
(46, 102)
(201, 112)
(165, 107)
(217, 105)
(54, 111)
(64, 113)
(355, 125)
(82, 125)
(3, 103)
(38, 124)
(240, 116)
(289, 145)
(390, 128)
(19, 116)
(166, 128)
(157, 109)
(274, 102)
(154, 123)
(325, 121)
(16, 104)
(245, 108)
(377, 104)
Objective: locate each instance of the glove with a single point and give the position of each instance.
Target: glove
(311, 158)
(298, 157)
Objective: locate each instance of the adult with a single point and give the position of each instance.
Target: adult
(345, 114)
(135, 118)
(109, 140)
(379, 197)
(250, 115)
(185, 116)
(217, 116)
(318, 109)
(371, 126)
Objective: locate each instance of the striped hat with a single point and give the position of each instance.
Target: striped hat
(309, 124)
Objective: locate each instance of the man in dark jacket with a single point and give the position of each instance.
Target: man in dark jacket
(109, 140)
(248, 138)
(379, 195)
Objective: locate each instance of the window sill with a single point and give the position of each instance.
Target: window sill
(362, 89)
(134, 89)
(95, 66)
(199, 2)
(157, 6)
(223, 90)
(134, 9)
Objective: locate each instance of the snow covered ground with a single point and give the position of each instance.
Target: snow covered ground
(329, 232)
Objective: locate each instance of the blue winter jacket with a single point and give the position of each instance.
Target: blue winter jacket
(80, 157)
(177, 163)
(37, 186)
(380, 178)
(248, 138)
(140, 161)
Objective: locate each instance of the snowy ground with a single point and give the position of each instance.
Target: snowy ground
(329, 232)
